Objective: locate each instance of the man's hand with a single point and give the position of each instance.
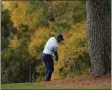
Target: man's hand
(56, 56)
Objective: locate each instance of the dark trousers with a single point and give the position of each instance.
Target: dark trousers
(49, 64)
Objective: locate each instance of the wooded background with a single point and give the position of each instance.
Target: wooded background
(27, 25)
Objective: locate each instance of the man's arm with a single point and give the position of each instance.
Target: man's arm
(56, 55)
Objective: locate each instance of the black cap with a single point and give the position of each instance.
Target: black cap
(60, 36)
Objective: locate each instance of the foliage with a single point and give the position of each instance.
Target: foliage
(7, 29)
(26, 14)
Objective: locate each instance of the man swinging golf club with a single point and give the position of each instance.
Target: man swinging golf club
(50, 49)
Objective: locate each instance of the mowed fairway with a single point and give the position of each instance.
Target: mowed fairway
(23, 86)
(32, 86)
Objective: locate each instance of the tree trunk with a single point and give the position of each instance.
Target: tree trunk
(99, 36)
(30, 74)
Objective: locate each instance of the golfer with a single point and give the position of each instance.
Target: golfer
(50, 49)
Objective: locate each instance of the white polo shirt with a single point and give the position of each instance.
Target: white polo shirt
(50, 46)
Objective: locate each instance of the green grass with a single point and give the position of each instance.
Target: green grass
(23, 86)
(32, 86)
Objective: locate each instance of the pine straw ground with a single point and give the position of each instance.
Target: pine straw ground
(80, 82)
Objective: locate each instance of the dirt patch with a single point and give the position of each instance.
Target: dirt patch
(80, 82)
